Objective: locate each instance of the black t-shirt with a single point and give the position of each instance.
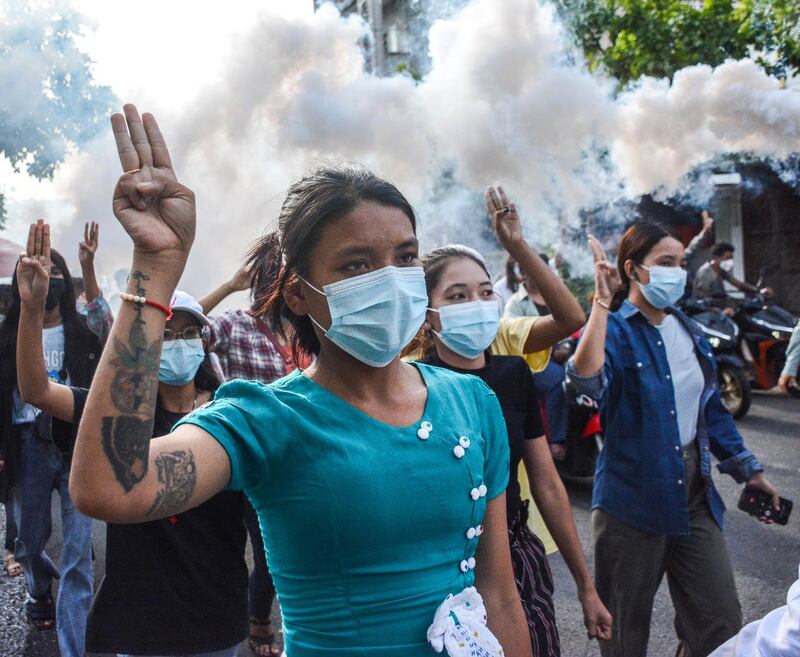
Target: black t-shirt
(511, 380)
(172, 586)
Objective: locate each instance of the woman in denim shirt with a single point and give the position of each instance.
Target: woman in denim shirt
(655, 507)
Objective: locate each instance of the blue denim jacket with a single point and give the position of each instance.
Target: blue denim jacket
(640, 472)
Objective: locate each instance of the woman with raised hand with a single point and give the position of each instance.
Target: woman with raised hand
(462, 324)
(159, 572)
(366, 560)
(36, 454)
(656, 510)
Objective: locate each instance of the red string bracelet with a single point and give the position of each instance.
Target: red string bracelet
(135, 298)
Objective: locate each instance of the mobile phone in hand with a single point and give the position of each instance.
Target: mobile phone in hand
(758, 503)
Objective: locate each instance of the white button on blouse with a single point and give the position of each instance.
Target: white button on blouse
(427, 426)
(471, 533)
(423, 434)
(475, 494)
(458, 451)
(464, 442)
(464, 565)
(471, 563)
(482, 490)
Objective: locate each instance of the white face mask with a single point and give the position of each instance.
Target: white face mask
(726, 265)
(375, 315)
(469, 328)
(666, 286)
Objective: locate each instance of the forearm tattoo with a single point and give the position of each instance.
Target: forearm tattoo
(178, 474)
(126, 437)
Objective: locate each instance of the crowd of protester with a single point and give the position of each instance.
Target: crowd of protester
(364, 421)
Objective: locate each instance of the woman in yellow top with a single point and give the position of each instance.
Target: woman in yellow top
(463, 320)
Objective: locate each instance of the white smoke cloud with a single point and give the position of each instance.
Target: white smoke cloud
(665, 130)
(502, 103)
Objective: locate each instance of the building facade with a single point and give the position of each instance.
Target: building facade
(398, 40)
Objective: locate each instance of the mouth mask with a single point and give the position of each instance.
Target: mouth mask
(726, 265)
(469, 329)
(375, 315)
(180, 360)
(666, 286)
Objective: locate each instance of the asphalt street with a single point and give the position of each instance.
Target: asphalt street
(765, 558)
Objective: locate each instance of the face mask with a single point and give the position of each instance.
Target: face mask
(666, 286)
(54, 293)
(469, 328)
(180, 360)
(375, 315)
(726, 265)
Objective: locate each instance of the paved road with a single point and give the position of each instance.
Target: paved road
(765, 558)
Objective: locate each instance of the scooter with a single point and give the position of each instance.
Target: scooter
(722, 333)
(765, 331)
(584, 437)
(584, 431)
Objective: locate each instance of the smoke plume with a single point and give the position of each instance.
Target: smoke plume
(504, 101)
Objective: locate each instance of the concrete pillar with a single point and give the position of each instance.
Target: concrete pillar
(378, 55)
(727, 207)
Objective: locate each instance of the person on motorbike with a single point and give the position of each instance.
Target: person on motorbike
(710, 279)
(655, 509)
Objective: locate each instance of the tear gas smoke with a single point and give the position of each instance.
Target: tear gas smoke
(503, 102)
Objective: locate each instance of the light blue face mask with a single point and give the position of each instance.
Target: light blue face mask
(469, 328)
(180, 360)
(375, 315)
(666, 286)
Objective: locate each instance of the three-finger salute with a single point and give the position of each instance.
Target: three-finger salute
(156, 210)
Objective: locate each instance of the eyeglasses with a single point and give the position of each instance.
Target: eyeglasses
(189, 333)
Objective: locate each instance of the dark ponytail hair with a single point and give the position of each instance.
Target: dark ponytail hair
(263, 262)
(636, 244)
(434, 263)
(311, 204)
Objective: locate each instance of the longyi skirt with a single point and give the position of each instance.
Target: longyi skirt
(535, 586)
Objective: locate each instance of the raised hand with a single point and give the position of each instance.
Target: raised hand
(504, 217)
(240, 280)
(708, 222)
(88, 247)
(606, 276)
(156, 211)
(33, 268)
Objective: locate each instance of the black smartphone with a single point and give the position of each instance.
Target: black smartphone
(758, 503)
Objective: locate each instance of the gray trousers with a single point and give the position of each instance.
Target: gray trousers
(630, 564)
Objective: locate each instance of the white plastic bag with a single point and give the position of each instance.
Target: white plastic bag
(459, 627)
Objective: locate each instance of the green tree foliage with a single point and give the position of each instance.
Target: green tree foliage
(632, 38)
(49, 101)
(774, 26)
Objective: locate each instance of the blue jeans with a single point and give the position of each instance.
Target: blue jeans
(549, 386)
(42, 469)
(226, 652)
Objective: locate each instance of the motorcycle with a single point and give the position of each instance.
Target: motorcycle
(765, 332)
(584, 431)
(722, 333)
(584, 438)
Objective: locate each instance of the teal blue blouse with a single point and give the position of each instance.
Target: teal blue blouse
(368, 527)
